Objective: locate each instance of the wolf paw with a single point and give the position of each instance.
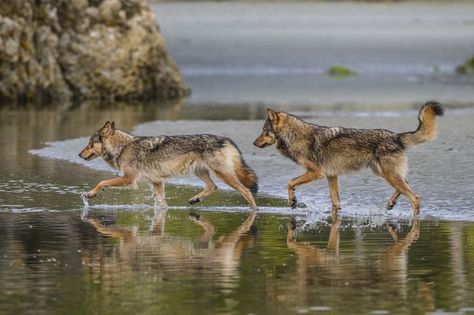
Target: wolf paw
(293, 202)
(194, 201)
(390, 205)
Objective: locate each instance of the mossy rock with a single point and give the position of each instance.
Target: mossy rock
(340, 72)
(467, 67)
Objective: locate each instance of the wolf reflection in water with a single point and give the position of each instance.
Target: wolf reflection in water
(223, 254)
(223, 257)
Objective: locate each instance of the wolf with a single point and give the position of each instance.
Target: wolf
(333, 151)
(156, 159)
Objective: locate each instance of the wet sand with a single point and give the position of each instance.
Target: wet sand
(239, 52)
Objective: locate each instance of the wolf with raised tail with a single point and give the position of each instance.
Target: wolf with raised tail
(156, 159)
(333, 151)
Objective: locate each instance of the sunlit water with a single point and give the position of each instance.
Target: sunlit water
(122, 255)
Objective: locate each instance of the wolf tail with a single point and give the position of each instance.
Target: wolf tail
(427, 127)
(246, 176)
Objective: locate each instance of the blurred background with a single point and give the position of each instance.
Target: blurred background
(324, 53)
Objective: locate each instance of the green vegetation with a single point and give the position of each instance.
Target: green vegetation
(340, 72)
(467, 67)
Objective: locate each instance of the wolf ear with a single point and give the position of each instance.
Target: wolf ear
(272, 115)
(108, 127)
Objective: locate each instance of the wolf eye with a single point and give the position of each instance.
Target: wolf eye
(268, 130)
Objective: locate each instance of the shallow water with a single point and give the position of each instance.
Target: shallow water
(123, 256)
(148, 261)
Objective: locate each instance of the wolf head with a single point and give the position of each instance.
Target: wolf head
(268, 137)
(95, 147)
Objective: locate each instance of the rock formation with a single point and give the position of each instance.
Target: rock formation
(58, 50)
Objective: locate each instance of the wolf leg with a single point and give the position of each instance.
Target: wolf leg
(333, 182)
(393, 200)
(210, 186)
(115, 182)
(231, 179)
(307, 177)
(209, 229)
(160, 197)
(399, 183)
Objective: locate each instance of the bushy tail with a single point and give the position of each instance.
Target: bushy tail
(246, 176)
(427, 128)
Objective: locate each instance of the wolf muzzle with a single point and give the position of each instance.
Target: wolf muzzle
(260, 145)
(87, 158)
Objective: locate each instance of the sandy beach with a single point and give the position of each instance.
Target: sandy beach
(239, 52)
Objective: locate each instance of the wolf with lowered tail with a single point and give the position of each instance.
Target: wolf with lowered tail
(159, 158)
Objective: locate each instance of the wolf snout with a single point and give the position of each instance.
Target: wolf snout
(258, 144)
(84, 157)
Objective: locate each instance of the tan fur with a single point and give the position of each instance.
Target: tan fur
(246, 176)
(333, 151)
(427, 128)
(156, 159)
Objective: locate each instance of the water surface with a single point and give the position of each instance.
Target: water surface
(123, 256)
